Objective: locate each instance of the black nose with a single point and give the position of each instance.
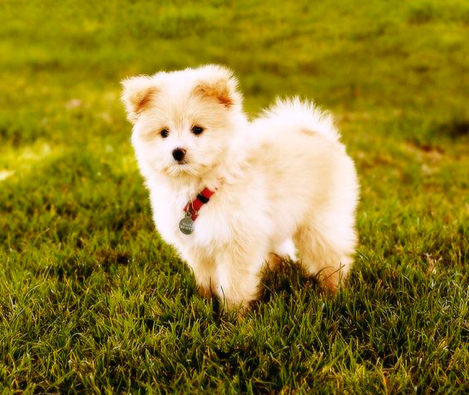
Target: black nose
(179, 154)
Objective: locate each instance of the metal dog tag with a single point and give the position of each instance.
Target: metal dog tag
(186, 225)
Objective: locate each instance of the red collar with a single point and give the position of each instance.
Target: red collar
(195, 205)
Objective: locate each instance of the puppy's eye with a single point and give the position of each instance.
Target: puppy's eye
(197, 130)
(164, 133)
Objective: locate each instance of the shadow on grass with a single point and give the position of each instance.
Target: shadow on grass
(288, 279)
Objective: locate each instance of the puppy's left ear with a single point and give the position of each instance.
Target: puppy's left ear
(136, 94)
(219, 83)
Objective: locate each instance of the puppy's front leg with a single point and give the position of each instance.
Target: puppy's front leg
(238, 274)
(203, 267)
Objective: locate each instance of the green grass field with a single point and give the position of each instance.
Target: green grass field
(92, 301)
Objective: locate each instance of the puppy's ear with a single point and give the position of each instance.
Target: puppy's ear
(219, 83)
(136, 94)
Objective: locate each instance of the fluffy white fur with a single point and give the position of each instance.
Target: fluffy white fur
(282, 180)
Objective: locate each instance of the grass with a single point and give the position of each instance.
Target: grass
(93, 301)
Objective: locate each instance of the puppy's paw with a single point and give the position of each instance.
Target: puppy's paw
(273, 261)
(331, 281)
(205, 292)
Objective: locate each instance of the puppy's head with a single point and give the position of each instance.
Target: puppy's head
(183, 119)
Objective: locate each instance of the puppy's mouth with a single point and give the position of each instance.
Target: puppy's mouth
(180, 168)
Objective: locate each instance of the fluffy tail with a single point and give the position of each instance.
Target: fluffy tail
(304, 115)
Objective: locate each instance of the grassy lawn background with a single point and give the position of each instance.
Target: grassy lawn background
(91, 300)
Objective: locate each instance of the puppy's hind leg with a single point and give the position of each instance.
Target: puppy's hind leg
(326, 254)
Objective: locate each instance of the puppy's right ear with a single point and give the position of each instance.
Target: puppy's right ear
(136, 94)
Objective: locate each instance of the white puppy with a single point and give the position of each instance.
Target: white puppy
(284, 177)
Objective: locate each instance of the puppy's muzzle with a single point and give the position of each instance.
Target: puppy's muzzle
(179, 154)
